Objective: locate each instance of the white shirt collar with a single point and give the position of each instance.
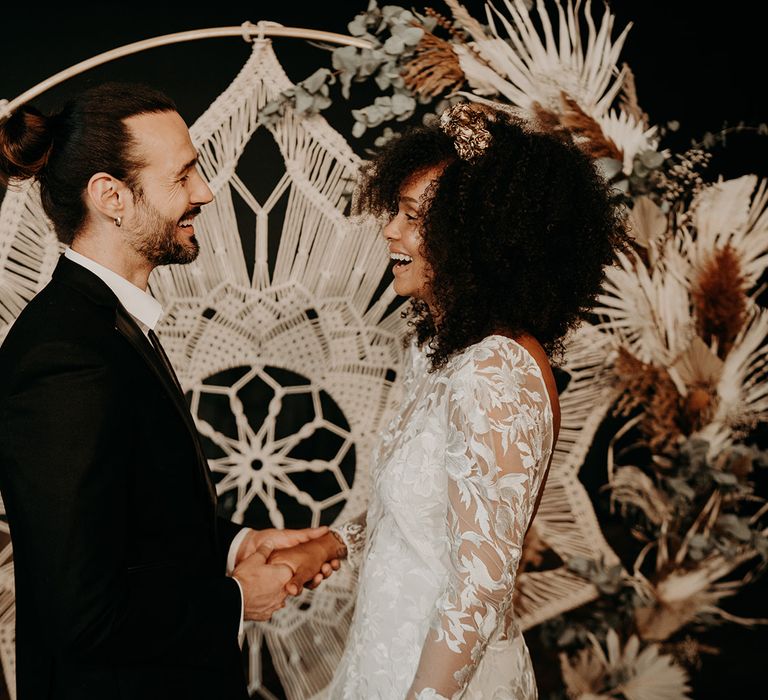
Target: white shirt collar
(140, 304)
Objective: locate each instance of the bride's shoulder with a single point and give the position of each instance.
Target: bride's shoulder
(498, 351)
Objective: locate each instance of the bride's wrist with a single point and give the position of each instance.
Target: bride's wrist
(335, 545)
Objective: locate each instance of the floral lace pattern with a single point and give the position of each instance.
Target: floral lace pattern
(352, 534)
(456, 475)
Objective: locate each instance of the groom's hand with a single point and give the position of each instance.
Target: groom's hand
(263, 584)
(280, 539)
(310, 562)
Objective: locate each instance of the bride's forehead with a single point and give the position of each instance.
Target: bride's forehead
(416, 184)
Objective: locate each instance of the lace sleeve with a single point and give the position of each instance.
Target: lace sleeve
(497, 427)
(352, 533)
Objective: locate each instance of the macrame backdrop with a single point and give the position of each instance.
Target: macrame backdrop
(286, 336)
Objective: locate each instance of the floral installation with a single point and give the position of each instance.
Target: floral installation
(684, 331)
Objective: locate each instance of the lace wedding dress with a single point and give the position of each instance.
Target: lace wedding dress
(455, 479)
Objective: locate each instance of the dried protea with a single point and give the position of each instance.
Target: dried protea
(720, 299)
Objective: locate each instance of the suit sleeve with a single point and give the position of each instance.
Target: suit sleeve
(66, 451)
(226, 531)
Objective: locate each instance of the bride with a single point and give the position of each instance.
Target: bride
(499, 234)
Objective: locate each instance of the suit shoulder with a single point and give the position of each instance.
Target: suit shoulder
(59, 314)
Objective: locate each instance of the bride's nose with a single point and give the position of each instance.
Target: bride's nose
(390, 231)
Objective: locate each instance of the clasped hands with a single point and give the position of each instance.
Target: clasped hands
(272, 564)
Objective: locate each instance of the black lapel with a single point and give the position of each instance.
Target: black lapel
(127, 326)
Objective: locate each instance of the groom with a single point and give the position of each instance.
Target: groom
(120, 560)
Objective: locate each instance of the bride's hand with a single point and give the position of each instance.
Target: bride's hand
(311, 563)
(280, 539)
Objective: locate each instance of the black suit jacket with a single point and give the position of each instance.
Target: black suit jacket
(119, 557)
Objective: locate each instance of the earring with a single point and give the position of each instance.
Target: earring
(118, 221)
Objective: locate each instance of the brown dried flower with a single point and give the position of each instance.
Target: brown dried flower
(434, 68)
(720, 299)
(466, 124)
(652, 389)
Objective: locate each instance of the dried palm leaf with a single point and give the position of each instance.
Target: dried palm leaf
(631, 486)
(629, 673)
(648, 310)
(589, 135)
(463, 19)
(743, 387)
(697, 366)
(682, 595)
(734, 213)
(628, 98)
(631, 136)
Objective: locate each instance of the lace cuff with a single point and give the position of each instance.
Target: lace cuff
(352, 534)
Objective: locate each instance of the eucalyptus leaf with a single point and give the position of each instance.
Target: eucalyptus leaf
(639, 170)
(346, 58)
(358, 26)
(429, 23)
(383, 81)
(621, 186)
(304, 102)
(609, 167)
(317, 80)
(412, 35)
(346, 81)
(370, 60)
(402, 104)
(322, 102)
(358, 129)
(651, 159)
(394, 45)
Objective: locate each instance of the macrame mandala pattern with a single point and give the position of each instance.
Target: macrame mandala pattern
(290, 354)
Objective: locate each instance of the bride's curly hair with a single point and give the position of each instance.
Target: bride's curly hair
(517, 236)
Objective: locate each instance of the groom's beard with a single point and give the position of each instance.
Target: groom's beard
(157, 238)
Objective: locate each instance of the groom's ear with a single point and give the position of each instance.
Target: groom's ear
(107, 196)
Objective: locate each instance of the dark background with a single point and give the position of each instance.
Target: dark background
(699, 67)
